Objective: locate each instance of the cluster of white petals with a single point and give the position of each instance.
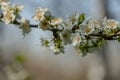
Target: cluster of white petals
(9, 12)
(83, 34)
(56, 21)
(76, 39)
(8, 16)
(55, 49)
(66, 35)
(39, 13)
(25, 26)
(91, 26)
(110, 23)
(44, 25)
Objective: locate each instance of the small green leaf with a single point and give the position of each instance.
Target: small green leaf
(58, 42)
(20, 58)
(84, 51)
(119, 39)
(81, 18)
(99, 42)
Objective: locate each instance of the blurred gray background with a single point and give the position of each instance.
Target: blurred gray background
(42, 63)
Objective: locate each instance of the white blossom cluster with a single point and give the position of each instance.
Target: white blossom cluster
(10, 14)
(84, 34)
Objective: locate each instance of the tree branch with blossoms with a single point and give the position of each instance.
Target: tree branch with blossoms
(84, 34)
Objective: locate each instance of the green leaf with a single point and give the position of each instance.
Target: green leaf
(58, 42)
(84, 50)
(100, 42)
(20, 58)
(119, 39)
(81, 18)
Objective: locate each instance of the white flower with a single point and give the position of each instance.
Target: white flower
(67, 24)
(76, 39)
(44, 42)
(90, 26)
(24, 24)
(9, 11)
(8, 16)
(77, 49)
(110, 23)
(44, 25)
(5, 6)
(73, 18)
(39, 13)
(56, 21)
(65, 35)
(17, 7)
(55, 49)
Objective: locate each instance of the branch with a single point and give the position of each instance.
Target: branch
(76, 30)
(18, 24)
(106, 37)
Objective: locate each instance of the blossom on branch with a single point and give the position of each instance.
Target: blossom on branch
(76, 39)
(91, 26)
(66, 35)
(25, 26)
(39, 13)
(110, 26)
(10, 12)
(44, 25)
(56, 21)
(44, 42)
(85, 35)
(110, 23)
(8, 16)
(57, 50)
